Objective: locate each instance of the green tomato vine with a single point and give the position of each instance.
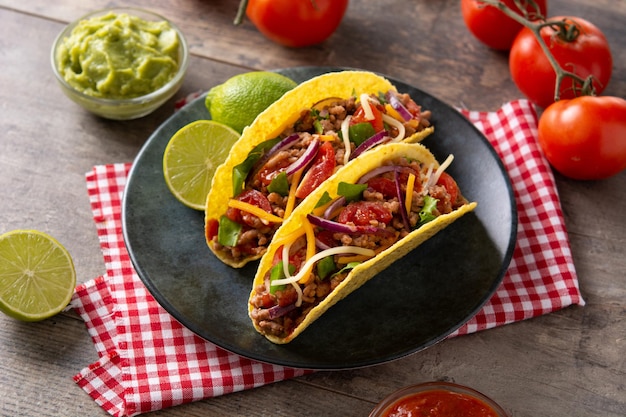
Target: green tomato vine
(566, 30)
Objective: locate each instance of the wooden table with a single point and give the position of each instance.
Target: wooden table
(568, 363)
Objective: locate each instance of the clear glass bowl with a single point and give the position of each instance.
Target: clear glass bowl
(131, 108)
(391, 400)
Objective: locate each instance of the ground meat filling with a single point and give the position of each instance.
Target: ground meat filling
(276, 314)
(324, 121)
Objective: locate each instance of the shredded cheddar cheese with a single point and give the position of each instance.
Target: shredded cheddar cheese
(327, 138)
(291, 200)
(252, 209)
(410, 186)
(393, 113)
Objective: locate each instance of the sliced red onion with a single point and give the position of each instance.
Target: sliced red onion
(305, 159)
(381, 170)
(398, 106)
(334, 206)
(403, 213)
(286, 143)
(377, 171)
(336, 227)
(377, 139)
(279, 311)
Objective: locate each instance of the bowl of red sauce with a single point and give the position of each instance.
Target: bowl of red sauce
(437, 399)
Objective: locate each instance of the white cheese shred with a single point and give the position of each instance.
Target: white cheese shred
(395, 123)
(308, 265)
(367, 108)
(435, 177)
(345, 132)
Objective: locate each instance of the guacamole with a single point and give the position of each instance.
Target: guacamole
(118, 56)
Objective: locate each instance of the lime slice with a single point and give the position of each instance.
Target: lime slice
(37, 276)
(191, 157)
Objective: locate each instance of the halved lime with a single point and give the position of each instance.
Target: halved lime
(191, 157)
(37, 276)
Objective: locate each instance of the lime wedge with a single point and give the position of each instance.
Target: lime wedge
(37, 276)
(191, 157)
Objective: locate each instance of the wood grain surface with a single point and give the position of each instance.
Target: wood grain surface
(568, 363)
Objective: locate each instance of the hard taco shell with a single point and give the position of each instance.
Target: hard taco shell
(278, 116)
(362, 273)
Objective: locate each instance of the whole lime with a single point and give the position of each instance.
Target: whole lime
(238, 101)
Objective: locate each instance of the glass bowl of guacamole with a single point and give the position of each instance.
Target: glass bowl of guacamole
(120, 63)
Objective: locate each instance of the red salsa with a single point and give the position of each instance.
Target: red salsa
(440, 403)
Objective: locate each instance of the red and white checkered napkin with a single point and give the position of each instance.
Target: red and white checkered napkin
(149, 361)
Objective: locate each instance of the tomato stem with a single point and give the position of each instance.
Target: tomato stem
(565, 29)
(241, 11)
(243, 5)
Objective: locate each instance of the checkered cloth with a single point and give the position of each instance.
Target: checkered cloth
(149, 361)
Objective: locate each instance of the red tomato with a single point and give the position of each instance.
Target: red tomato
(326, 237)
(492, 27)
(588, 54)
(359, 117)
(321, 168)
(361, 213)
(253, 197)
(585, 138)
(296, 23)
(450, 184)
(266, 175)
(212, 227)
(385, 186)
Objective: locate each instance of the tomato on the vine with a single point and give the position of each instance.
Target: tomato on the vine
(296, 23)
(491, 26)
(587, 54)
(585, 138)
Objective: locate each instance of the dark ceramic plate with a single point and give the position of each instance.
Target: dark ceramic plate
(415, 303)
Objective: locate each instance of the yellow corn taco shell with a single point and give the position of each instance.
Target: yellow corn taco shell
(358, 276)
(278, 116)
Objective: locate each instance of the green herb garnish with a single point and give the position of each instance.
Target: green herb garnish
(278, 272)
(351, 192)
(279, 184)
(228, 232)
(426, 213)
(241, 171)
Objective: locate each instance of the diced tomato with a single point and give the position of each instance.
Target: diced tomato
(212, 228)
(266, 175)
(287, 296)
(383, 185)
(326, 237)
(253, 197)
(278, 255)
(361, 213)
(320, 170)
(377, 122)
(413, 108)
(451, 186)
(267, 301)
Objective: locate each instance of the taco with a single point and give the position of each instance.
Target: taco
(352, 227)
(293, 146)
